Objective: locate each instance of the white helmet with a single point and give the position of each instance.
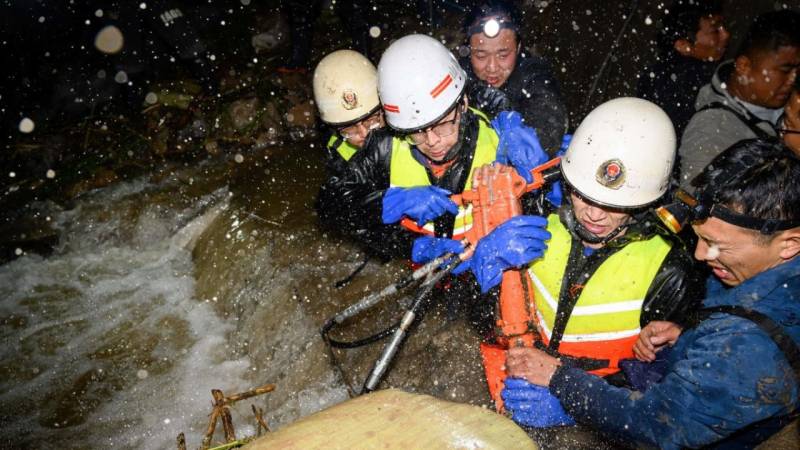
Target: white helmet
(345, 87)
(622, 154)
(419, 81)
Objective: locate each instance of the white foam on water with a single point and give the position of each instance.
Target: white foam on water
(106, 344)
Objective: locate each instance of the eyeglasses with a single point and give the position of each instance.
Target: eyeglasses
(362, 126)
(442, 129)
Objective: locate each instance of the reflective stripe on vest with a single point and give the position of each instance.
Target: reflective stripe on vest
(345, 149)
(405, 171)
(605, 321)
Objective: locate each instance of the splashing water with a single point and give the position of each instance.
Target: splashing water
(105, 344)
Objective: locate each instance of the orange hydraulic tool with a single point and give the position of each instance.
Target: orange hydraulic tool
(495, 198)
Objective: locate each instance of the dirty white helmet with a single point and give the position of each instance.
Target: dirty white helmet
(345, 88)
(622, 154)
(419, 81)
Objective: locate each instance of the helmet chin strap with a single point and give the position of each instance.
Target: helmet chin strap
(567, 215)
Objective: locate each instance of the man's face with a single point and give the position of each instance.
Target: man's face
(356, 134)
(493, 59)
(734, 253)
(436, 141)
(768, 77)
(711, 39)
(599, 220)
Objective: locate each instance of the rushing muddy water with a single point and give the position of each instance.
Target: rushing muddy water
(165, 287)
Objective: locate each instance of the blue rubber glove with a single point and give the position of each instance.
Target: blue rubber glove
(422, 203)
(555, 195)
(532, 405)
(519, 146)
(514, 243)
(428, 248)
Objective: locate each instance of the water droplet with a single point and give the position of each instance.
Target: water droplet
(238, 158)
(374, 31)
(142, 374)
(51, 173)
(26, 125)
(121, 77)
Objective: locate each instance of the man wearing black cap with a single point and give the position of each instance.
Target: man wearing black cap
(504, 78)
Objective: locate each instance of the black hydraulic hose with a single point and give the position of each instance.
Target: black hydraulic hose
(359, 342)
(373, 299)
(382, 364)
(346, 280)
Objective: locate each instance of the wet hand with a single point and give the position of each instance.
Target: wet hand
(532, 365)
(653, 337)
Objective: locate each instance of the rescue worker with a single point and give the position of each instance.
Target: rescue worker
(503, 76)
(440, 141)
(732, 380)
(606, 269)
(346, 94)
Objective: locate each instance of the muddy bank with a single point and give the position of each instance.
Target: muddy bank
(267, 266)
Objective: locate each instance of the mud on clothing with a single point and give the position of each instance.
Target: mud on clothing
(728, 383)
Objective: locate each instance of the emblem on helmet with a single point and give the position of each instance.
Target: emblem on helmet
(349, 99)
(611, 174)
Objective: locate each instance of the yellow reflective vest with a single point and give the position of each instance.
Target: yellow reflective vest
(605, 321)
(405, 171)
(345, 149)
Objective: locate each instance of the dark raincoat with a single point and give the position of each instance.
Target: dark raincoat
(532, 90)
(727, 381)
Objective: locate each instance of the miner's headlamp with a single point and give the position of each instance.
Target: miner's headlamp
(491, 26)
(687, 209)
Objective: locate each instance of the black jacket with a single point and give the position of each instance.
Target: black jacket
(352, 202)
(531, 90)
(673, 83)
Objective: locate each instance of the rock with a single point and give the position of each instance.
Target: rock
(101, 178)
(301, 116)
(243, 112)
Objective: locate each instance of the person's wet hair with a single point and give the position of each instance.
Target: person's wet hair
(771, 31)
(756, 178)
(683, 21)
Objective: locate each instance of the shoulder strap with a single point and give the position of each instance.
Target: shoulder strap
(749, 120)
(784, 342)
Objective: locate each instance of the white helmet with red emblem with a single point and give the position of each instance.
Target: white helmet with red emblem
(345, 88)
(419, 81)
(622, 154)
